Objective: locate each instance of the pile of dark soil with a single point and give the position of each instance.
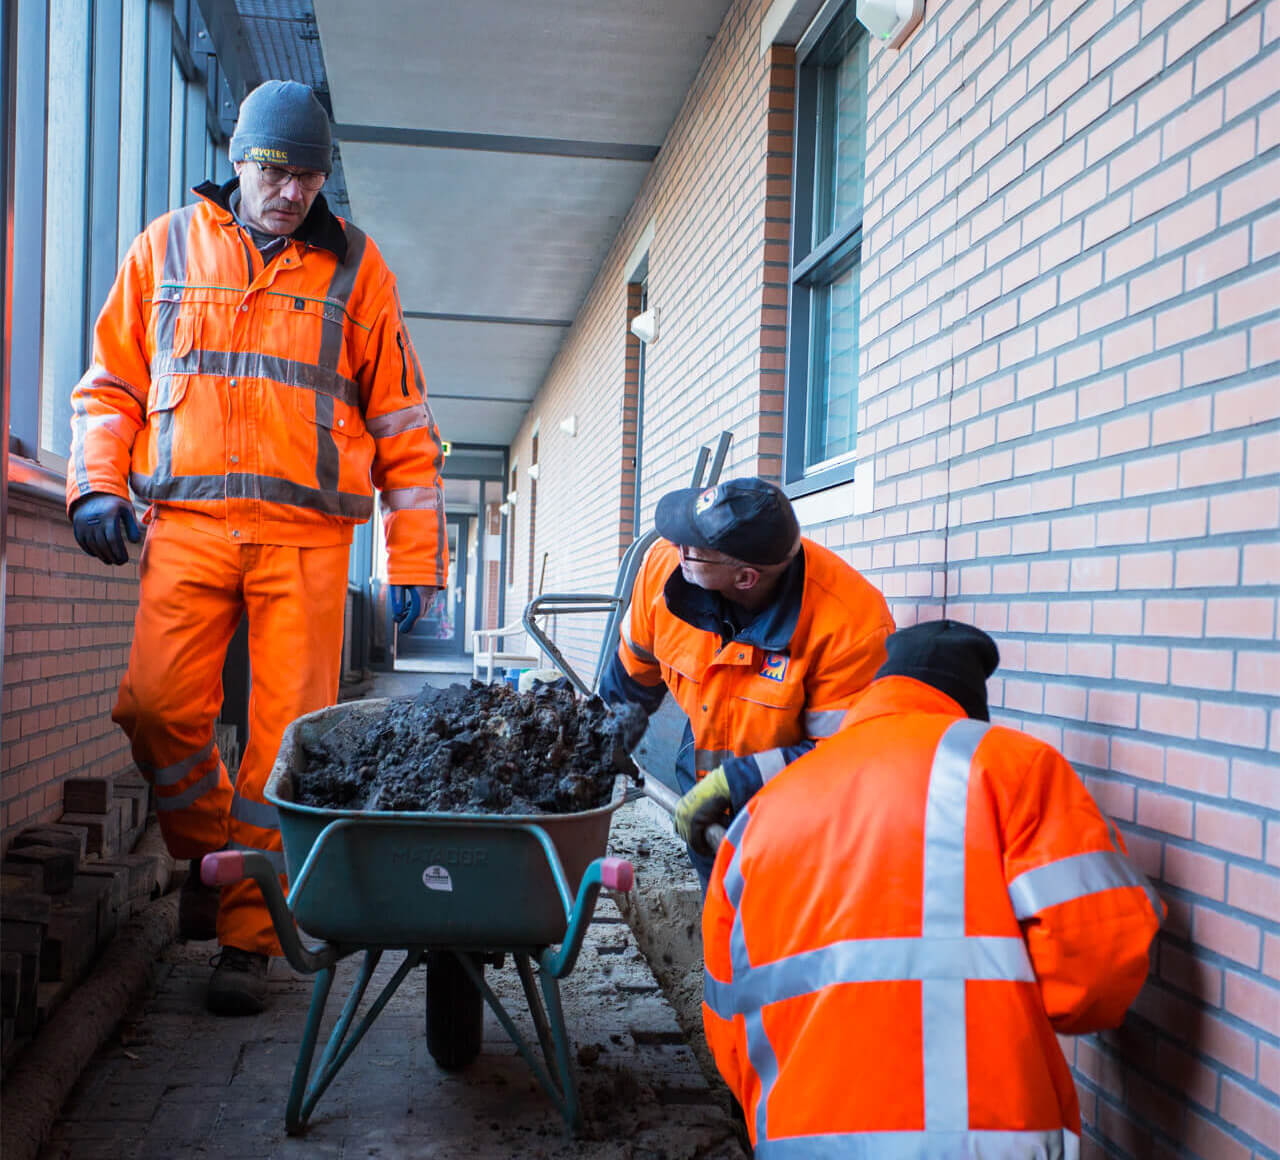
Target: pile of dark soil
(475, 749)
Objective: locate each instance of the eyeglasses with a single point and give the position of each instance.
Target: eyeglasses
(689, 558)
(309, 179)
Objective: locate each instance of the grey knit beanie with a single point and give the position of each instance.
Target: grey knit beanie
(282, 123)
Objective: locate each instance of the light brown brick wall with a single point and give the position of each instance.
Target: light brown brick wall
(68, 625)
(1070, 399)
(1070, 396)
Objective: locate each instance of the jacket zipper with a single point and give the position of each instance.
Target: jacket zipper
(404, 366)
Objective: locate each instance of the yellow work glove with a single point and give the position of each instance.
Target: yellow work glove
(707, 804)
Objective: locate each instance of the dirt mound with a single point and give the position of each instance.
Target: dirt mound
(475, 749)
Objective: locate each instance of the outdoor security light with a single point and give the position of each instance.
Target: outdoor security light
(645, 326)
(890, 20)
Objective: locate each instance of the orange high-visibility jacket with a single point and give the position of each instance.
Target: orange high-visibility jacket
(896, 927)
(263, 404)
(759, 699)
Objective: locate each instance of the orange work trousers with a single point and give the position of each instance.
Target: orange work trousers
(194, 588)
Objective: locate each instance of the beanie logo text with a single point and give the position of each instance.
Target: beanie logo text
(266, 153)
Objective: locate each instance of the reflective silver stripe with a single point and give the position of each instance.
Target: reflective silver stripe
(243, 364)
(172, 774)
(870, 960)
(1070, 878)
(823, 722)
(641, 653)
(398, 422)
(327, 461)
(770, 762)
(1053, 1144)
(82, 423)
(275, 857)
(946, 1073)
(705, 760)
(175, 270)
(398, 499)
(212, 488)
(765, 1062)
(340, 287)
(261, 814)
(332, 334)
(181, 801)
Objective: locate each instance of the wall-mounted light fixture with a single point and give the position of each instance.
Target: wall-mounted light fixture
(645, 326)
(534, 471)
(890, 20)
(511, 497)
(505, 507)
(570, 425)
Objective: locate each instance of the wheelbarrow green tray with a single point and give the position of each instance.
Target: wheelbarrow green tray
(453, 891)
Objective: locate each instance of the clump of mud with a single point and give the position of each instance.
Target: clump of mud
(475, 749)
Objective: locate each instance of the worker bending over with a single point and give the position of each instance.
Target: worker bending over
(252, 380)
(764, 638)
(898, 924)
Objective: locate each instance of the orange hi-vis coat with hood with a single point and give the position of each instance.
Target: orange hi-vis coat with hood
(897, 925)
(256, 404)
(267, 400)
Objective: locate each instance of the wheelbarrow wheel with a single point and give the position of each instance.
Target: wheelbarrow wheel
(455, 1011)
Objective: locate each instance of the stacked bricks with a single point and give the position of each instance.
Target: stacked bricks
(1069, 405)
(68, 626)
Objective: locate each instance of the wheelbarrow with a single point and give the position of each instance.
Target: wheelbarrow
(454, 891)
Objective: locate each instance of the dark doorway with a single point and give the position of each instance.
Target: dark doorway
(441, 630)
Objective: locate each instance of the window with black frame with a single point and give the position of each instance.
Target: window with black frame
(822, 343)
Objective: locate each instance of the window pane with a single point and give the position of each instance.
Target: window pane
(66, 219)
(842, 136)
(833, 370)
(133, 83)
(177, 130)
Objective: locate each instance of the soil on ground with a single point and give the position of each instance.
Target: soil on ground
(474, 748)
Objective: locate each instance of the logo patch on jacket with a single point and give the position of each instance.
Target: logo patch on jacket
(774, 667)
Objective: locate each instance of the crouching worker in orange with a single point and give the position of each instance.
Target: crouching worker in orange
(899, 922)
(253, 380)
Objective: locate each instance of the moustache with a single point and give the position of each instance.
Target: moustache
(283, 205)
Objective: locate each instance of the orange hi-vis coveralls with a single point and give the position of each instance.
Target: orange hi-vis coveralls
(897, 926)
(760, 694)
(256, 406)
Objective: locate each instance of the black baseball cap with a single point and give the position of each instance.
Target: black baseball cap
(748, 519)
(954, 658)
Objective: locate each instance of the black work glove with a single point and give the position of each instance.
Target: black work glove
(100, 522)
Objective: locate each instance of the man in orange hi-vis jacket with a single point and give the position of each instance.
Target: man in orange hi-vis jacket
(254, 382)
(900, 921)
(764, 638)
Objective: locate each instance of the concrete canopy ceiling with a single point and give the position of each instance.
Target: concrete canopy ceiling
(492, 149)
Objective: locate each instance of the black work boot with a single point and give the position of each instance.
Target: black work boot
(238, 985)
(197, 906)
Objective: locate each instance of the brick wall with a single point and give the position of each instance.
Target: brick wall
(1070, 401)
(68, 625)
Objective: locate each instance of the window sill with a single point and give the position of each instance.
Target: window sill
(34, 480)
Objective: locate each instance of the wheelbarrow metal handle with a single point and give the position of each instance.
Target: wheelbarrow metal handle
(227, 866)
(601, 872)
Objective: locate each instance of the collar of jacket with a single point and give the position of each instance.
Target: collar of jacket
(887, 695)
(320, 227)
(770, 629)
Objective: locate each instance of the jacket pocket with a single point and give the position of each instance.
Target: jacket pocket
(166, 393)
(341, 419)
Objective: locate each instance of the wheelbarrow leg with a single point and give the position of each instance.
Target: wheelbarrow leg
(539, 1014)
(555, 1015)
(294, 1116)
(302, 1099)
